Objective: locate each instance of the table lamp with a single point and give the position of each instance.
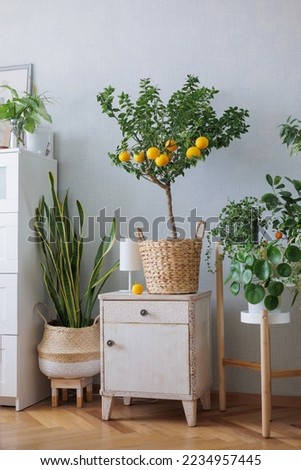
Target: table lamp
(130, 259)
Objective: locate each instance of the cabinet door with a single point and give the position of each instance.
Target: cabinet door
(9, 242)
(146, 358)
(8, 304)
(8, 366)
(9, 183)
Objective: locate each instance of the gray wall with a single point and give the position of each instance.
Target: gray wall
(248, 49)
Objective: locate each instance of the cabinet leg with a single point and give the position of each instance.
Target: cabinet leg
(106, 406)
(190, 409)
(127, 401)
(89, 392)
(206, 400)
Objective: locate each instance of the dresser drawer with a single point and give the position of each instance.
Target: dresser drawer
(8, 242)
(9, 183)
(123, 311)
(8, 366)
(8, 304)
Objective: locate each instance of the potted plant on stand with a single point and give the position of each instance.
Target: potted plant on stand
(159, 143)
(24, 114)
(70, 344)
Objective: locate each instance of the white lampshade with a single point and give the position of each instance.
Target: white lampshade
(130, 259)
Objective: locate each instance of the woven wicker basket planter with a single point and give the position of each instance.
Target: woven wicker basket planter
(70, 352)
(172, 266)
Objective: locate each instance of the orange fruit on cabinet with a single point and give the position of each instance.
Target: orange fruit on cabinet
(137, 289)
(278, 235)
(139, 157)
(152, 153)
(202, 142)
(171, 145)
(124, 156)
(162, 160)
(193, 152)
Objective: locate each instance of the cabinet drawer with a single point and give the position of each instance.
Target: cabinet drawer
(123, 311)
(9, 183)
(8, 304)
(8, 366)
(8, 242)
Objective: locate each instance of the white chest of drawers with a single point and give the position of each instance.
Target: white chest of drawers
(23, 180)
(156, 346)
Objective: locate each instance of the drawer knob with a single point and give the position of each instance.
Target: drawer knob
(143, 312)
(110, 343)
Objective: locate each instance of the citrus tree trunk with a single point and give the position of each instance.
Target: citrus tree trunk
(170, 211)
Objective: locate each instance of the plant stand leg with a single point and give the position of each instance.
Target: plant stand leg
(265, 373)
(65, 394)
(127, 401)
(54, 397)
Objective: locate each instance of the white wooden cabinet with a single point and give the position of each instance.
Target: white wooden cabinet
(23, 180)
(156, 346)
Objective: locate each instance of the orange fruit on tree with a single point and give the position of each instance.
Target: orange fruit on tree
(278, 235)
(202, 142)
(171, 145)
(153, 153)
(193, 152)
(139, 157)
(124, 156)
(137, 289)
(162, 160)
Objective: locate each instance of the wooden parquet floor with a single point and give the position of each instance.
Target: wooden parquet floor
(146, 425)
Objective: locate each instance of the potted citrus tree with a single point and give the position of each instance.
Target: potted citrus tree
(70, 344)
(159, 142)
(24, 113)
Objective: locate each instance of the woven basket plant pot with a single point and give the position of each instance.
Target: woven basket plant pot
(172, 266)
(69, 353)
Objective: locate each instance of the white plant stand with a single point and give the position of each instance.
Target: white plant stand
(264, 319)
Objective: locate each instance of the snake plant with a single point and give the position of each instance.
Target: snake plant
(62, 248)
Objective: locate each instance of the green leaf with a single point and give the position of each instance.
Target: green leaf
(275, 288)
(235, 288)
(271, 302)
(254, 293)
(262, 270)
(269, 179)
(274, 254)
(270, 200)
(293, 253)
(247, 276)
(284, 270)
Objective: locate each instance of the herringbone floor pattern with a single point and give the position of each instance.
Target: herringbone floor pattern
(145, 425)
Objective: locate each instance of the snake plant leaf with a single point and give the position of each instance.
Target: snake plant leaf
(254, 293)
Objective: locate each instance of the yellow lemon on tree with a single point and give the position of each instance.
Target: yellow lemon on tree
(171, 145)
(193, 152)
(139, 157)
(137, 289)
(153, 153)
(162, 160)
(202, 142)
(124, 156)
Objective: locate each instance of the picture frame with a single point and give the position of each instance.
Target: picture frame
(20, 78)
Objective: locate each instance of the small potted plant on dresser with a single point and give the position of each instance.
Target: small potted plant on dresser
(69, 348)
(24, 113)
(159, 143)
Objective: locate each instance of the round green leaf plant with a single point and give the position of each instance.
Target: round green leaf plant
(160, 141)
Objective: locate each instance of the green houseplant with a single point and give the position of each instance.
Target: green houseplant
(159, 141)
(24, 112)
(290, 133)
(62, 347)
(238, 223)
(262, 271)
